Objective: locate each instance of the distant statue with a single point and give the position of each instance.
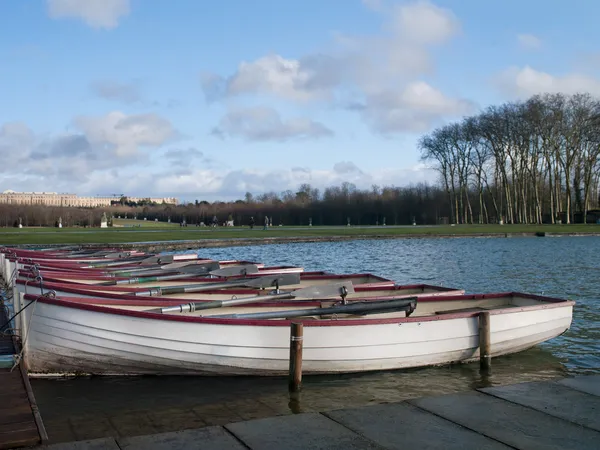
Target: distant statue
(310, 221)
(20, 223)
(348, 221)
(60, 222)
(104, 221)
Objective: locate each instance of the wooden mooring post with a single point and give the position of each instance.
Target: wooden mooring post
(485, 345)
(296, 339)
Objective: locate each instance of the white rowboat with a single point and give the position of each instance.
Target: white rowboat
(66, 337)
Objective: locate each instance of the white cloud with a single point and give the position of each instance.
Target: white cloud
(290, 79)
(95, 13)
(374, 5)
(381, 73)
(96, 144)
(282, 77)
(265, 124)
(417, 108)
(233, 184)
(529, 41)
(126, 134)
(83, 162)
(115, 90)
(424, 23)
(526, 81)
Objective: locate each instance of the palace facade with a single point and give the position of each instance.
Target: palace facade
(56, 199)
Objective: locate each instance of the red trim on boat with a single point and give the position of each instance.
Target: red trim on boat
(552, 303)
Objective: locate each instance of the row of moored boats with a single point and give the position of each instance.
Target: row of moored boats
(113, 312)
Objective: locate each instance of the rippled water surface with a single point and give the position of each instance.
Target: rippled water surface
(567, 267)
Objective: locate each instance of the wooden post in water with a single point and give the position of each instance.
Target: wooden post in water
(485, 345)
(295, 375)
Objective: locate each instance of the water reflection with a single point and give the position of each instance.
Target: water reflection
(85, 408)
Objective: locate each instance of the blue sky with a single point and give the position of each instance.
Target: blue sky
(206, 100)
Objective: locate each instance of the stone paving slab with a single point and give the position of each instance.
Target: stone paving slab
(554, 399)
(93, 444)
(588, 383)
(301, 431)
(402, 425)
(208, 438)
(512, 424)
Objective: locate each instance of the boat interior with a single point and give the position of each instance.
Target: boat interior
(371, 291)
(425, 307)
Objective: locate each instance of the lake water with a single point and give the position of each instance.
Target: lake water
(566, 267)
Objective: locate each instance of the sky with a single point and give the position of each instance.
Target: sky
(208, 101)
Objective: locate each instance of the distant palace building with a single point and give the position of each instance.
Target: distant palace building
(55, 199)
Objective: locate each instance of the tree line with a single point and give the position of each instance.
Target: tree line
(335, 205)
(48, 216)
(533, 161)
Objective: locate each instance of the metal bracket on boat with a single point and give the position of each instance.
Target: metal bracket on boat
(49, 294)
(276, 283)
(35, 271)
(411, 309)
(344, 294)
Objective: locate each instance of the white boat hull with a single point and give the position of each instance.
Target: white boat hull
(92, 340)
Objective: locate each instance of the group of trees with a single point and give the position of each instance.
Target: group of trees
(535, 161)
(48, 216)
(125, 201)
(524, 162)
(335, 205)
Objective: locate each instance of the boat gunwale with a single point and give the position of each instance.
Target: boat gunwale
(551, 303)
(96, 290)
(304, 276)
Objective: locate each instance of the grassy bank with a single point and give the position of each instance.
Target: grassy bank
(151, 232)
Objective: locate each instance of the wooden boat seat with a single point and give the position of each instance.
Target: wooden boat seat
(473, 309)
(460, 310)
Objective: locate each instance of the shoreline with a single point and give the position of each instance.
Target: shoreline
(192, 244)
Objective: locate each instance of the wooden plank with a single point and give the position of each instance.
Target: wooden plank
(20, 426)
(16, 416)
(19, 439)
(37, 417)
(19, 435)
(461, 310)
(11, 386)
(17, 424)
